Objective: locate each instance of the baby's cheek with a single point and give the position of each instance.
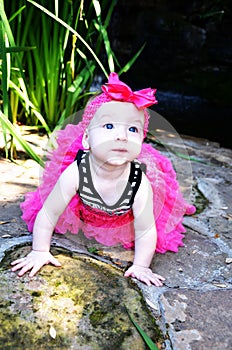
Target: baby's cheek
(135, 148)
(137, 141)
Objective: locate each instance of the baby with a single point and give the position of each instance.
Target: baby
(105, 190)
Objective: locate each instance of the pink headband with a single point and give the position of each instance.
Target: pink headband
(116, 90)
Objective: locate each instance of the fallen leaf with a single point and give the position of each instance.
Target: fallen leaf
(220, 285)
(228, 260)
(227, 216)
(152, 305)
(52, 332)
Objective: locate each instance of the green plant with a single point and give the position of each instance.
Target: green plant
(151, 345)
(10, 56)
(49, 57)
(8, 125)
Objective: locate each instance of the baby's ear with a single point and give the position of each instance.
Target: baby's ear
(85, 140)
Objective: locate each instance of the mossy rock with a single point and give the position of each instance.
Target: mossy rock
(82, 305)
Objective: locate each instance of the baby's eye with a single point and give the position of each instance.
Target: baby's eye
(108, 126)
(133, 129)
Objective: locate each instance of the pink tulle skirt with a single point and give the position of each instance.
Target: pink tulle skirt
(169, 204)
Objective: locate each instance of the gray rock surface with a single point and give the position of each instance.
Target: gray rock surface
(193, 308)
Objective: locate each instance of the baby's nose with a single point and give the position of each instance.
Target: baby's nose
(121, 134)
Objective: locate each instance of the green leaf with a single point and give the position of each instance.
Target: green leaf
(24, 98)
(20, 49)
(17, 13)
(13, 131)
(154, 140)
(146, 338)
(5, 69)
(132, 61)
(106, 40)
(67, 26)
(97, 7)
(11, 43)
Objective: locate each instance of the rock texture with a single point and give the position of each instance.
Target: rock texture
(192, 310)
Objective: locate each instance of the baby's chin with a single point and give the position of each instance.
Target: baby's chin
(118, 161)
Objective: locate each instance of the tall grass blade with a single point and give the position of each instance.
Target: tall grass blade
(154, 140)
(109, 14)
(109, 52)
(5, 74)
(146, 338)
(132, 61)
(20, 49)
(67, 26)
(75, 90)
(17, 13)
(5, 22)
(25, 98)
(104, 34)
(8, 32)
(13, 131)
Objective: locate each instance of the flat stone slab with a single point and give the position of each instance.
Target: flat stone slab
(198, 264)
(198, 319)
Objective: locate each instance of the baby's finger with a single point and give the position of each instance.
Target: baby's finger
(156, 281)
(159, 277)
(150, 279)
(19, 265)
(146, 280)
(35, 269)
(129, 274)
(26, 268)
(17, 261)
(55, 262)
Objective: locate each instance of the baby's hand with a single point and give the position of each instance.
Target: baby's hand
(144, 274)
(34, 261)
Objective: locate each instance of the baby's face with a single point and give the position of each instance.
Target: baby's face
(115, 134)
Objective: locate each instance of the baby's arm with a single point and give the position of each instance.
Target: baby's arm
(45, 223)
(145, 236)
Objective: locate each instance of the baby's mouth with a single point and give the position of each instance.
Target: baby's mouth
(120, 150)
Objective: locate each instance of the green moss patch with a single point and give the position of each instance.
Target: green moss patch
(81, 305)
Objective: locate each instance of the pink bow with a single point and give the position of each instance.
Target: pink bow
(119, 91)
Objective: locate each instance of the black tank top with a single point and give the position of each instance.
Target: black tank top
(91, 197)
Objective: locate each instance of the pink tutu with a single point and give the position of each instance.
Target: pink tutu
(169, 204)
